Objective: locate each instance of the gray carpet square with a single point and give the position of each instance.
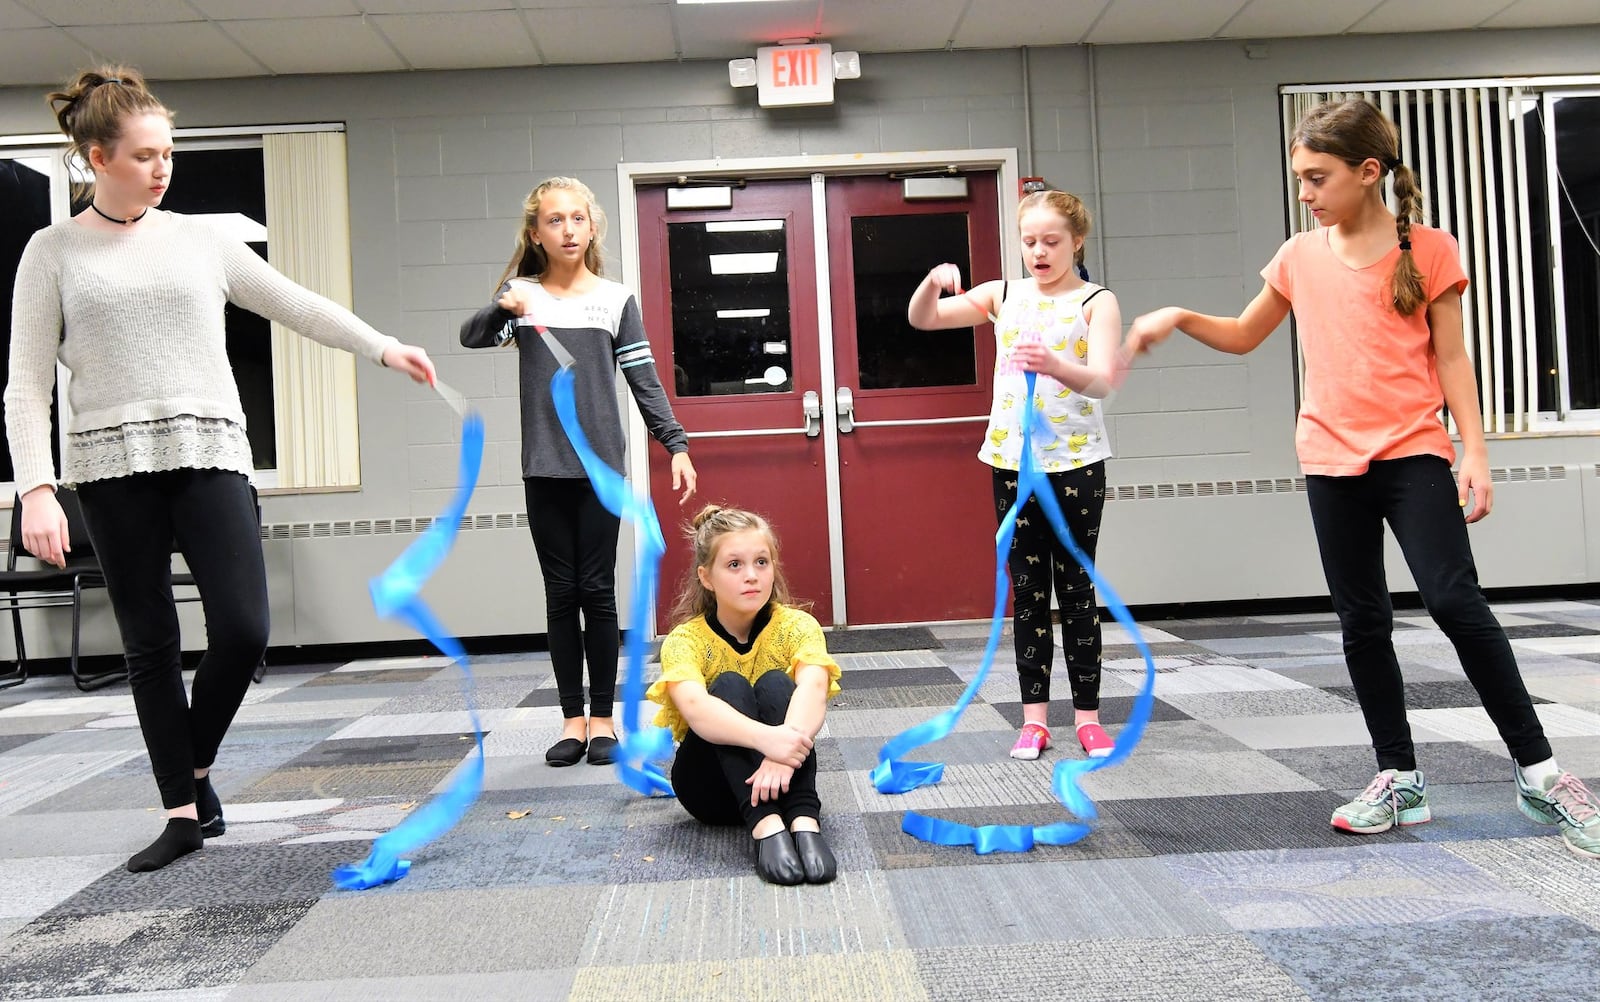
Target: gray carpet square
(1113, 710)
(1368, 882)
(64, 954)
(500, 986)
(253, 875)
(1431, 695)
(689, 850)
(407, 780)
(1466, 961)
(1288, 820)
(899, 678)
(883, 638)
(386, 933)
(990, 905)
(1135, 970)
(1349, 768)
(392, 749)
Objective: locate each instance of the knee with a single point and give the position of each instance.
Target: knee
(1364, 624)
(246, 632)
(773, 692)
(1459, 608)
(735, 690)
(560, 597)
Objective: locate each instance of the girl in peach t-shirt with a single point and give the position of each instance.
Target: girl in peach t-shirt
(1377, 302)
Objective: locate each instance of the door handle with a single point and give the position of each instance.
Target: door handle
(844, 404)
(811, 405)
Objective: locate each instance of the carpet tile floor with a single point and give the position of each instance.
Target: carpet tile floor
(1212, 870)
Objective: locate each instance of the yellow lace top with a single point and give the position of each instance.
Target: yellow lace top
(694, 652)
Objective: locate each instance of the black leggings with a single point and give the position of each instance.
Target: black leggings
(133, 522)
(709, 779)
(1038, 561)
(576, 540)
(1417, 496)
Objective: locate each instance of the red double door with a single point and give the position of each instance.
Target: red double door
(779, 325)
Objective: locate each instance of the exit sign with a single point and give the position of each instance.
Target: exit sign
(794, 75)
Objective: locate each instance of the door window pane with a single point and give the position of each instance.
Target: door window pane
(730, 307)
(24, 209)
(891, 254)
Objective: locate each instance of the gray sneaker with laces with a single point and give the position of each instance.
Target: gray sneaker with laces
(1390, 799)
(1566, 802)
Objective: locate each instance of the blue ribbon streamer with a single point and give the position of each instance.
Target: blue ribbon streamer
(639, 747)
(395, 595)
(894, 775)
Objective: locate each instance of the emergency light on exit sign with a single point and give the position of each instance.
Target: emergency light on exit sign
(789, 75)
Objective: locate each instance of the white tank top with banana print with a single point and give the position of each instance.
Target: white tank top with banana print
(1070, 430)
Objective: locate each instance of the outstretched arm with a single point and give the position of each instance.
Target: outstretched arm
(1235, 335)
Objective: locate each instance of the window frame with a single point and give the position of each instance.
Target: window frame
(51, 148)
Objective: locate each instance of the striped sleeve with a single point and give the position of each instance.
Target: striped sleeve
(632, 350)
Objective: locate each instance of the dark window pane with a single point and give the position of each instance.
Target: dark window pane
(891, 254)
(1577, 128)
(220, 182)
(730, 307)
(24, 209)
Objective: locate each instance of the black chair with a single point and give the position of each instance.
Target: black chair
(49, 587)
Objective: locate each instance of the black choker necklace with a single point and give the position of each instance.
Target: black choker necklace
(114, 219)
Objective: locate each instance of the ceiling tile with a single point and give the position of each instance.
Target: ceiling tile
(1288, 19)
(40, 56)
(192, 51)
(316, 45)
(455, 41)
(1162, 20)
(1004, 24)
(434, 6)
(12, 15)
(244, 10)
(1427, 15)
(69, 13)
(713, 31)
(1544, 14)
(893, 25)
(603, 35)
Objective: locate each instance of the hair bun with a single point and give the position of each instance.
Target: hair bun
(705, 515)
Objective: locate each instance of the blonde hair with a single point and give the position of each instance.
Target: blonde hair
(705, 534)
(1356, 131)
(1070, 208)
(93, 107)
(529, 258)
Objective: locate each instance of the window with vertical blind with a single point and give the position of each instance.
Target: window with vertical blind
(284, 191)
(1511, 167)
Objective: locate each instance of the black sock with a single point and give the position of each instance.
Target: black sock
(181, 838)
(209, 807)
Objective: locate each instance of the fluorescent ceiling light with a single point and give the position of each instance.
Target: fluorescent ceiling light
(744, 225)
(730, 1)
(739, 314)
(744, 264)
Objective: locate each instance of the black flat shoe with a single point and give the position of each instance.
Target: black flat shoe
(776, 860)
(815, 857)
(602, 750)
(567, 751)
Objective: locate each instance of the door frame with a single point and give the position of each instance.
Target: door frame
(819, 167)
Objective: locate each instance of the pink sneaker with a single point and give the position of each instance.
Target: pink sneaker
(1095, 740)
(1034, 739)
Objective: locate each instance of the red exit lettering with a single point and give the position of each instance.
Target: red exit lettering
(796, 68)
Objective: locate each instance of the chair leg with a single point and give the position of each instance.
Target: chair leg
(19, 674)
(99, 680)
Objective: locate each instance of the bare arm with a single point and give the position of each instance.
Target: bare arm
(1460, 386)
(1235, 335)
(929, 312)
(721, 724)
(809, 703)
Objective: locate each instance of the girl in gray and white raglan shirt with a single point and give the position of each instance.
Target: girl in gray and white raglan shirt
(554, 280)
(131, 301)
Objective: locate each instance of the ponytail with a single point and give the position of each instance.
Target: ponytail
(1409, 292)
